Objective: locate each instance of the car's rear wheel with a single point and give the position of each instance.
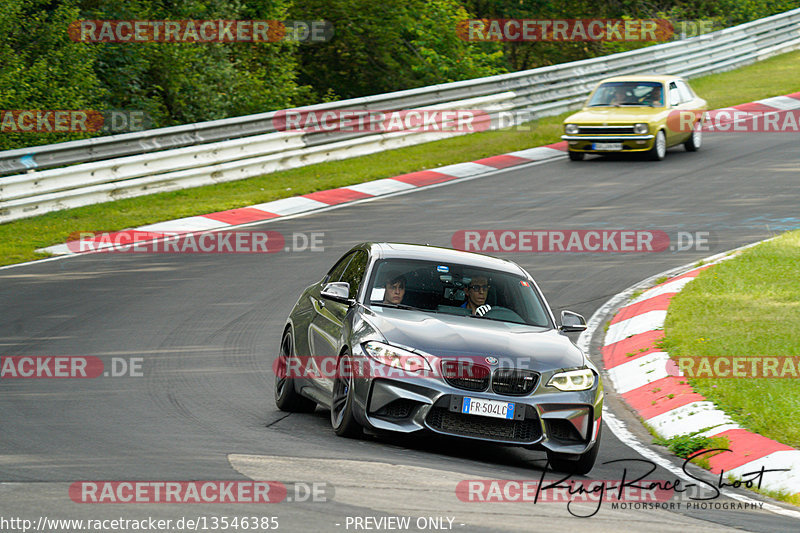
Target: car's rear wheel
(659, 149)
(695, 140)
(567, 463)
(286, 397)
(576, 156)
(342, 418)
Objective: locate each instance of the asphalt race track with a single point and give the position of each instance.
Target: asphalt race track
(207, 328)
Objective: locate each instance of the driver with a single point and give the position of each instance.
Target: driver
(477, 291)
(654, 98)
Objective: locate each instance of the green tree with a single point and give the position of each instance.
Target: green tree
(527, 55)
(381, 47)
(41, 68)
(178, 83)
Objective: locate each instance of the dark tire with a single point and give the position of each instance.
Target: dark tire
(659, 149)
(560, 462)
(286, 397)
(342, 419)
(576, 156)
(695, 139)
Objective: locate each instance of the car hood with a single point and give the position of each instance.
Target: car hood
(454, 336)
(616, 115)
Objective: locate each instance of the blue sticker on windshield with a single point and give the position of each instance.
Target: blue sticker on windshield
(442, 268)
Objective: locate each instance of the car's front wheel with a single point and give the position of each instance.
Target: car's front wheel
(566, 463)
(695, 140)
(659, 149)
(576, 156)
(342, 418)
(286, 397)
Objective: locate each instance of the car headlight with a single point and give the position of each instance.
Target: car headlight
(396, 357)
(571, 129)
(572, 380)
(640, 128)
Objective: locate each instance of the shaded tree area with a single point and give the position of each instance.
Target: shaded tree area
(381, 47)
(527, 55)
(376, 47)
(40, 68)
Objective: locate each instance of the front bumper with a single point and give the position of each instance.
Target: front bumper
(546, 419)
(630, 143)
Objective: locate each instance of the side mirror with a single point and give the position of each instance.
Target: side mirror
(571, 322)
(338, 291)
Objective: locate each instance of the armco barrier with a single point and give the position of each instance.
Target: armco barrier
(134, 164)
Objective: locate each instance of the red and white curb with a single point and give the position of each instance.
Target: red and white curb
(648, 380)
(323, 199)
(774, 104)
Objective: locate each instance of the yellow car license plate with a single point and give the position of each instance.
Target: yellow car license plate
(607, 147)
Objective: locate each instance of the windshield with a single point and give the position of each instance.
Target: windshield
(628, 93)
(457, 290)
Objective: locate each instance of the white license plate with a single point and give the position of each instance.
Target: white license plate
(608, 147)
(493, 408)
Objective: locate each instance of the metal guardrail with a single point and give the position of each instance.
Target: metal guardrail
(134, 164)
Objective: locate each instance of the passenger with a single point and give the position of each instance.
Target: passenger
(477, 291)
(394, 289)
(620, 95)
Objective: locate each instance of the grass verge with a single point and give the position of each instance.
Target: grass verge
(19, 239)
(685, 445)
(748, 306)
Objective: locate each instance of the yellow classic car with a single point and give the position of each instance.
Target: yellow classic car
(636, 114)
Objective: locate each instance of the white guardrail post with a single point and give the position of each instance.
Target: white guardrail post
(146, 162)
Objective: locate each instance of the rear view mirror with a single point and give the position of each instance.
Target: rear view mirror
(571, 322)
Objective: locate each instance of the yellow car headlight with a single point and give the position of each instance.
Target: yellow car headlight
(571, 129)
(640, 128)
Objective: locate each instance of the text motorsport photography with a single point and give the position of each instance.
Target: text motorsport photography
(634, 490)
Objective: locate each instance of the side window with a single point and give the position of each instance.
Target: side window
(686, 93)
(335, 273)
(674, 94)
(354, 273)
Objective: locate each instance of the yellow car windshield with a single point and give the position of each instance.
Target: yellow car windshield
(628, 93)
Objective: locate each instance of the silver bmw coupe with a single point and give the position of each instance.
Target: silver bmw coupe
(414, 339)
